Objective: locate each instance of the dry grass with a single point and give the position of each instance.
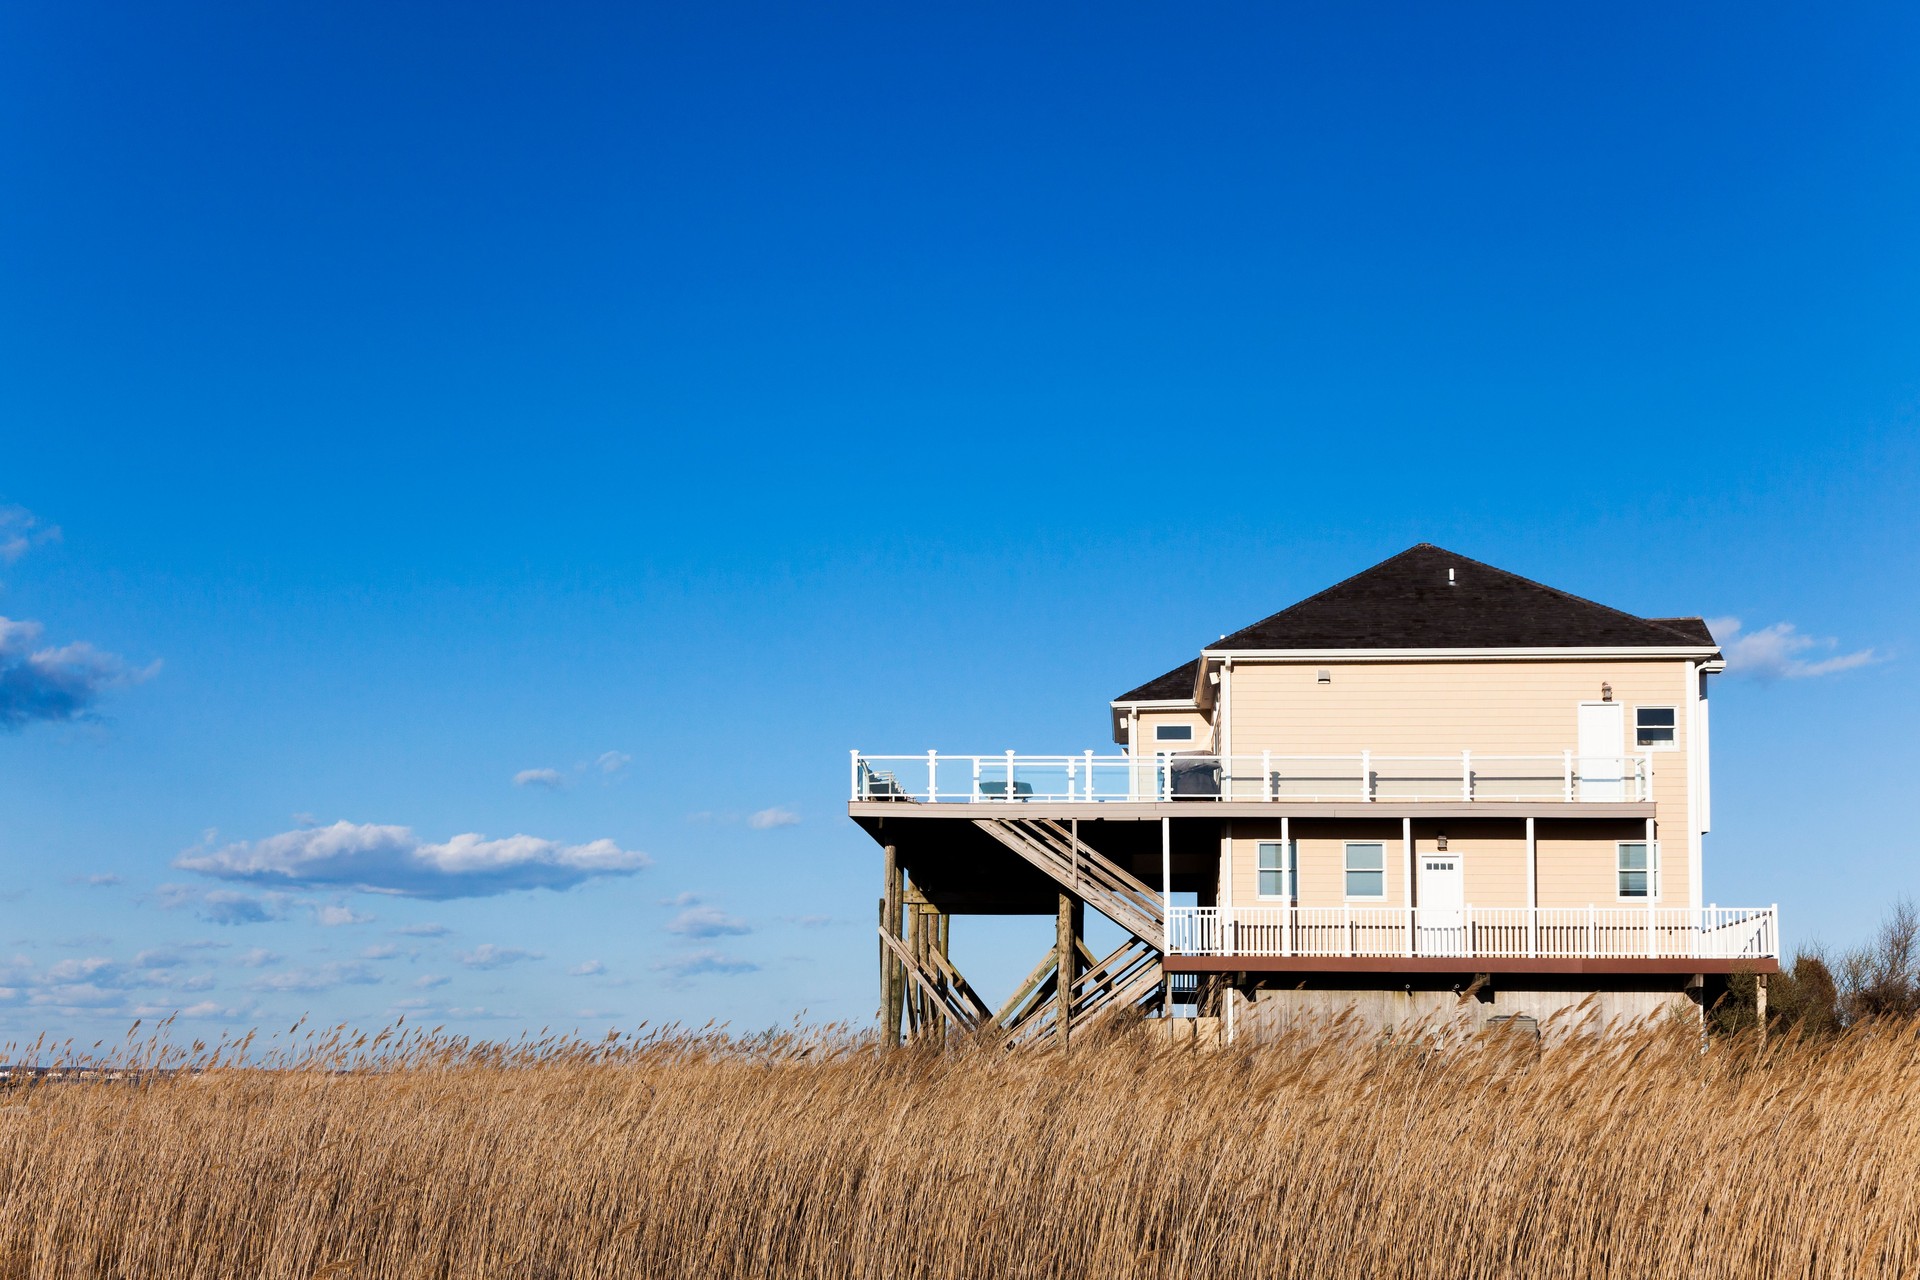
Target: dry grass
(692, 1155)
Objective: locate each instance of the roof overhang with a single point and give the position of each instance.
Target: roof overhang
(1695, 652)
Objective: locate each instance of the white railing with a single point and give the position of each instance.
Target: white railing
(1367, 777)
(1592, 932)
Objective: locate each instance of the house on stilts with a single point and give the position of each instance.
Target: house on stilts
(1434, 791)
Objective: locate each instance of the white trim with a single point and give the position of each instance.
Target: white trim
(1163, 704)
(1346, 855)
(1383, 655)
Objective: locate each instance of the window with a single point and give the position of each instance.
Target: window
(1653, 727)
(1276, 869)
(1173, 733)
(1638, 870)
(1366, 870)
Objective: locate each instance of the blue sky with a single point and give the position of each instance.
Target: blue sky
(398, 399)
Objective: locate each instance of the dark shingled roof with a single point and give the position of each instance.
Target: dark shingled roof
(1176, 685)
(1408, 602)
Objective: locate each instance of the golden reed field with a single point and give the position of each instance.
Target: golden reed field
(677, 1154)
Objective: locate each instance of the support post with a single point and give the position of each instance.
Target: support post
(1533, 894)
(1166, 874)
(1066, 963)
(893, 983)
(1760, 1005)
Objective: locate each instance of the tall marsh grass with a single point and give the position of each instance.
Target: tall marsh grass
(703, 1155)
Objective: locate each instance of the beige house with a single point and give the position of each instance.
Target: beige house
(1434, 791)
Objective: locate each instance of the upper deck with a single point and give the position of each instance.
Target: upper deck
(1565, 783)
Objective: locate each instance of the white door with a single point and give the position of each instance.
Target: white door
(1440, 906)
(1603, 737)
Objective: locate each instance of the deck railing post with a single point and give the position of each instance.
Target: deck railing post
(1366, 776)
(976, 778)
(933, 777)
(1090, 796)
(1466, 775)
(1409, 943)
(1568, 770)
(1009, 795)
(1653, 949)
(1593, 932)
(853, 775)
(1269, 783)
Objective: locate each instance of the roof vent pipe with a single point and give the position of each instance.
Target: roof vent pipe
(1449, 577)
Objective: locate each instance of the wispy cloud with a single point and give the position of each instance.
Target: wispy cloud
(223, 906)
(424, 930)
(489, 956)
(1780, 652)
(332, 915)
(426, 982)
(586, 969)
(549, 779)
(612, 761)
(379, 951)
(105, 880)
(21, 531)
(768, 819)
(706, 922)
(390, 859)
(257, 958)
(320, 978)
(54, 684)
(695, 963)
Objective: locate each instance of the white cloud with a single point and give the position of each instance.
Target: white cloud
(379, 951)
(427, 982)
(551, 779)
(257, 958)
(706, 922)
(424, 930)
(768, 819)
(334, 914)
(21, 531)
(612, 761)
(391, 859)
(489, 956)
(1780, 652)
(102, 881)
(587, 969)
(48, 684)
(700, 962)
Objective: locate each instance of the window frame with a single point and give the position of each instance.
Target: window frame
(1289, 870)
(1651, 871)
(1671, 744)
(1347, 870)
(1160, 730)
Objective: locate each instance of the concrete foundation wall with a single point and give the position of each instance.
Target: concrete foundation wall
(1262, 1011)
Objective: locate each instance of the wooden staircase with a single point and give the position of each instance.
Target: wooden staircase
(1085, 873)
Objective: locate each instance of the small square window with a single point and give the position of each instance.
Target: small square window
(1653, 727)
(1366, 870)
(1173, 733)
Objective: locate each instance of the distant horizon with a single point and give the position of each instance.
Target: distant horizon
(470, 484)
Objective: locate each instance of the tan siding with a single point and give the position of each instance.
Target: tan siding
(1575, 860)
(1202, 732)
(1487, 707)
